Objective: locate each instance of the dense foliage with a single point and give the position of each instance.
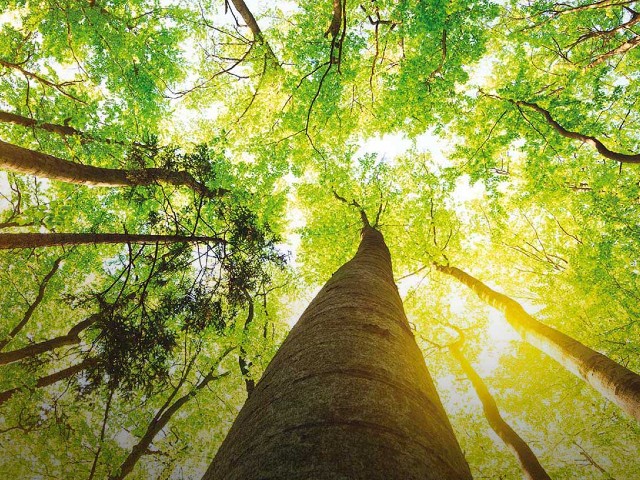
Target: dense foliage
(500, 137)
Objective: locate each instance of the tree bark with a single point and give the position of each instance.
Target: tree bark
(23, 160)
(348, 394)
(34, 240)
(529, 463)
(71, 338)
(612, 380)
(50, 379)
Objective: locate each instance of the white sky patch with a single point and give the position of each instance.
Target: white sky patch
(12, 17)
(466, 192)
(297, 307)
(479, 74)
(389, 146)
(294, 216)
(408, 285)
(429, 142)
(5, 189)
(502, 336)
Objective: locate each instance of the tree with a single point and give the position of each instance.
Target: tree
(34, 240)
(501, 135)
(162, 417)
(614, 381)
(531, 467)
(357, 400)
(22, 160)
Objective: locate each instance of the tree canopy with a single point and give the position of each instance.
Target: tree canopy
(178, 179)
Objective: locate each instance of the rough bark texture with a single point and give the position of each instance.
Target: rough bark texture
(612, 380)
(71, 338)
(34, 240)
(348, 395)
(22, 160)
(531, 468)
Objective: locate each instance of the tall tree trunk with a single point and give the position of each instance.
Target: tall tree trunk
(615, 382)
(22, 160)
(32, 308)
(34, 240)
(50, 379)
(71, 338)
(348, 394)
(529, 463)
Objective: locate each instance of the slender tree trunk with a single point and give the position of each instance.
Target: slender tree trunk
(32, 308)
(64, 130)
(244, 365)
(22, 160)
(158, 423)
(50, 379)
(588, 139)
(348, 394)
(34, 240)
(612, 380)
(619, 50)
(251, 22)
(531, 468)
(71, 338)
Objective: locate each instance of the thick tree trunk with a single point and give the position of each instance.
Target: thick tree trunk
(348, 394)
(50, 379)
(615, 382)
(34, 240)
(71, 338)
(22, 160)
(531, 468)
